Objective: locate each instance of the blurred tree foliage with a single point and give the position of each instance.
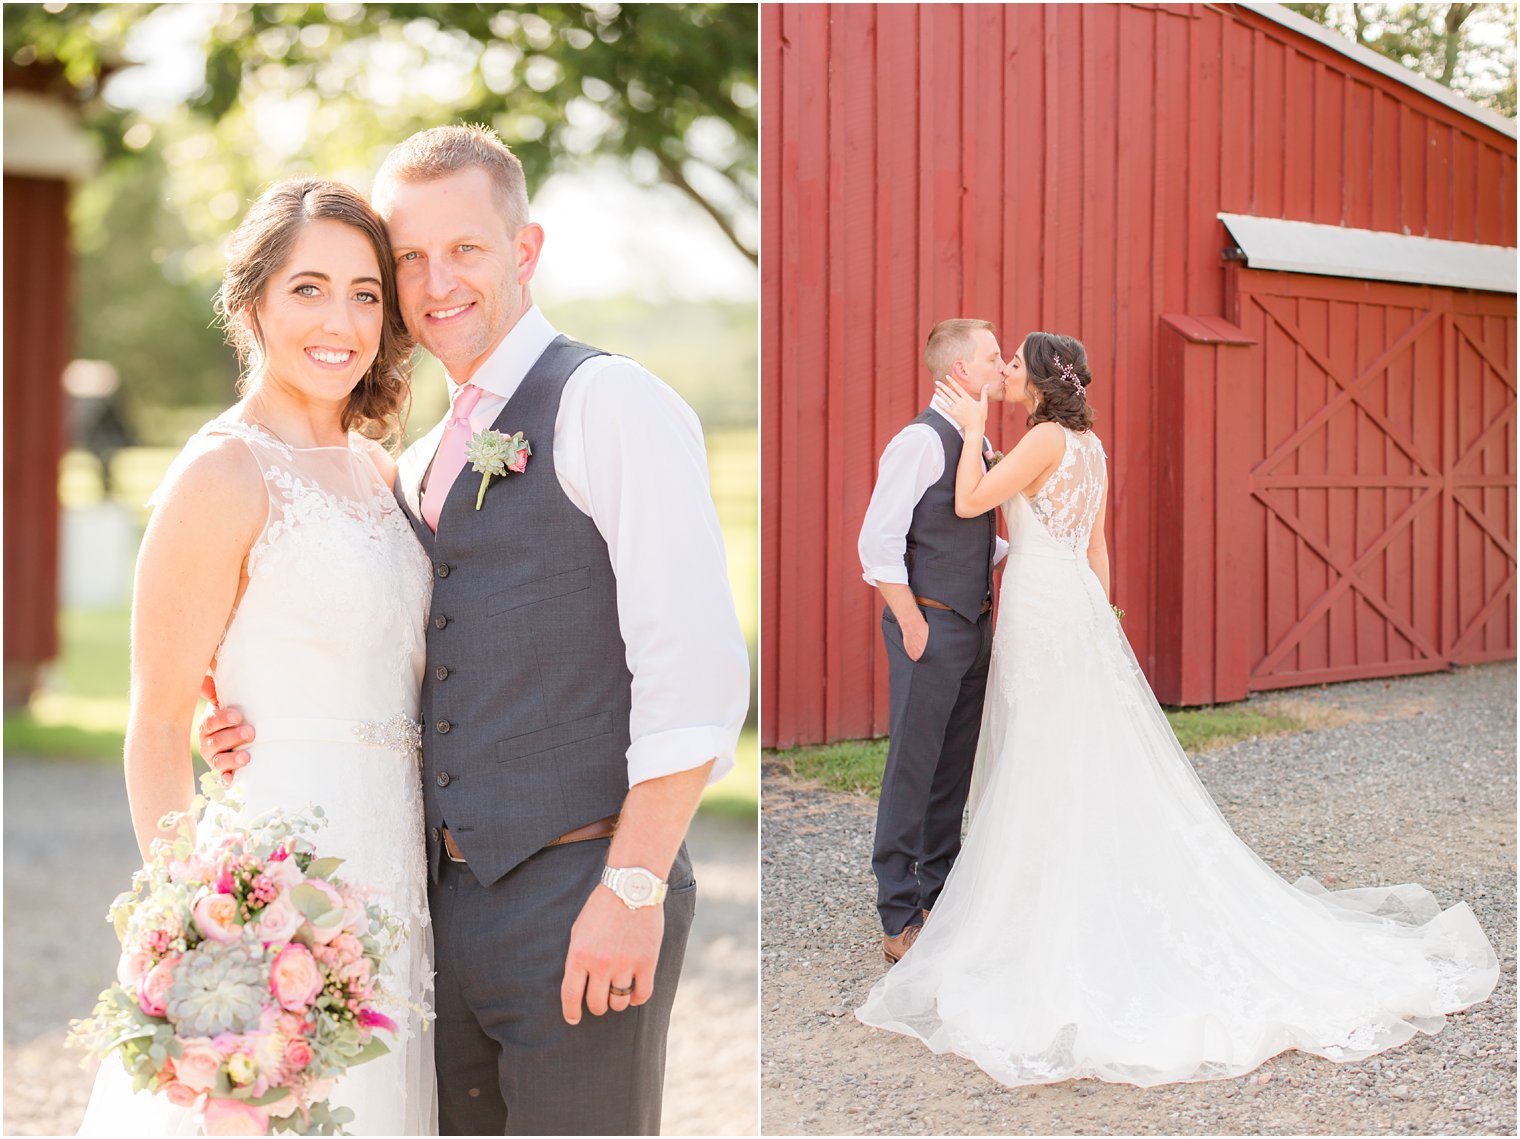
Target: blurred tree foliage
(1467, 47)
(670, 89)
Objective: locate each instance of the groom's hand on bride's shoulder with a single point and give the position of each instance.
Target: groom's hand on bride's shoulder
(610, 945)
(222, 735)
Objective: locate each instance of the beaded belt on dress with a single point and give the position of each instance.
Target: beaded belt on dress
(399, 733)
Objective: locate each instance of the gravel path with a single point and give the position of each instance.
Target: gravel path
(69, 851)
(1415, 784)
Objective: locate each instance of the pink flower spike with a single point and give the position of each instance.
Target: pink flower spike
(369, 1018)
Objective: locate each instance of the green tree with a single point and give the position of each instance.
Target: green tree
(1467, 47)
(671, 87)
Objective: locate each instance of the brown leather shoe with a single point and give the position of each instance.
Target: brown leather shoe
(893, 948)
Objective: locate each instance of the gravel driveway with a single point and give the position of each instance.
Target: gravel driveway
(69, 851)
(1417, 784)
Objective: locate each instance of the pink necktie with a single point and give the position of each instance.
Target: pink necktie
(449, 460)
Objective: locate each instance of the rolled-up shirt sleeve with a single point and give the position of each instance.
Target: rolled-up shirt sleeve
(629, 453)
(912, 462)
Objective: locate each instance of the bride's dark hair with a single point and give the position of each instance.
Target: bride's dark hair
(1057, 366)
(262, 243)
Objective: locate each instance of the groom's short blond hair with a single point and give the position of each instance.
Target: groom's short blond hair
(441, 151)
(951, 340)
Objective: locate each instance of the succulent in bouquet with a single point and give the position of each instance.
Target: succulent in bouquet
(250, 975)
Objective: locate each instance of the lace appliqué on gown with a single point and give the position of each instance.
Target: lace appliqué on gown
(324, 655)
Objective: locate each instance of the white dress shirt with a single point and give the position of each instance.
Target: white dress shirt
(629, 454)
(911, 464)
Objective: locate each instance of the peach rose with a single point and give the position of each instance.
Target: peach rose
(133, 966)
(349, 947)
(178, 1094)
(216, 917)
(294, 978)
(198, 1064)
(153, 989)
(233, 1117)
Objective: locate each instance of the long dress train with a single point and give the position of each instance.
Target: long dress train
(1103, 920)
(324, 656)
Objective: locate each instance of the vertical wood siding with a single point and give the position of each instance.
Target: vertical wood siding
(37, 340)
(1060, 168)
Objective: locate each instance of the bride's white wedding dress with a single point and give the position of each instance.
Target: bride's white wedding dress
(324, 655)
(1102, 919)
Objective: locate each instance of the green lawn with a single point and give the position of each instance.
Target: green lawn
(855, 766)
(82, 710)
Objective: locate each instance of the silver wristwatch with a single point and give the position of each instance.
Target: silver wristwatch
(636, 886)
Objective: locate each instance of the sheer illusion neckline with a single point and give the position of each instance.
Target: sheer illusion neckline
(269, 435)
(1029, 496)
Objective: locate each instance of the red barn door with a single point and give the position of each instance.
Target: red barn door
(1367, 482)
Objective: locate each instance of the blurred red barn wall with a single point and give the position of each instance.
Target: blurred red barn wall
(1062, 167)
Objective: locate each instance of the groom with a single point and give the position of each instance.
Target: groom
(586, 676)
(934, 571)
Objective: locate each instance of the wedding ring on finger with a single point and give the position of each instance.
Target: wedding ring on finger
(620, 991)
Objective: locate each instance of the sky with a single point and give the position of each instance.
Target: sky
(649, 241)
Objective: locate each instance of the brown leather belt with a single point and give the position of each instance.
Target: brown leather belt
(602, 828)
(933, 604)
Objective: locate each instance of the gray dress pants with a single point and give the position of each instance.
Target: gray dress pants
(507, 1062)
(936, 718)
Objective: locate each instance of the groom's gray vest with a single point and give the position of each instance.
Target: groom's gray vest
(949, 558)
(527, 693)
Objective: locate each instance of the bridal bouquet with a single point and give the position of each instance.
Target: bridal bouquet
(249, 977)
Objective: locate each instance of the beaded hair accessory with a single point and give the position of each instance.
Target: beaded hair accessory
(1069, 374)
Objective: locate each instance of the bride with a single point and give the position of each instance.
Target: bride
(1103, 920)
(277, 556)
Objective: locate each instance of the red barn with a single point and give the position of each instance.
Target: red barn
(1291, 260)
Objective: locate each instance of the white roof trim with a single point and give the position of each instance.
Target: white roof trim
(1372, 255)
(43, 138)
(1381, 63)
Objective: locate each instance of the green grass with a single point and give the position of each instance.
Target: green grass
(855, 766)
(81, 711)
(738, 793)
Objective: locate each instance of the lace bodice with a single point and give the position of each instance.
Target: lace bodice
(331, 622)
(1067, 504)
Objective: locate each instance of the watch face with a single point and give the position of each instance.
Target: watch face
(637, 888)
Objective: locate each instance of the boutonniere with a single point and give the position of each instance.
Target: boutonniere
(993, 458)
(496, 453)
(1118, 613)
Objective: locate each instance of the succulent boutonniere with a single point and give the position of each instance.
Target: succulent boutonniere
(496, 453)
(993, 458)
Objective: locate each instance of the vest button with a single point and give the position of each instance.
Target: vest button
(444, 727)
(441, 673)
(440, 621)
(443, 779)
(443, 569)
(434, 833)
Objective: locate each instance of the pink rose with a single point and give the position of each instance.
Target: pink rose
(349, 947)
(216, 916)
(356, 973)
(178, 1094)
(294, 978)
(292, 1024)
(297, 1054)
(153, 989)
(133, 966)
(285, 873)
(279, 919)
(233, 1117)
(198, 1064)
(520, 463)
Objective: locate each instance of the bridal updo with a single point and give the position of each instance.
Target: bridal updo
(1057, 367)
(260, 246)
